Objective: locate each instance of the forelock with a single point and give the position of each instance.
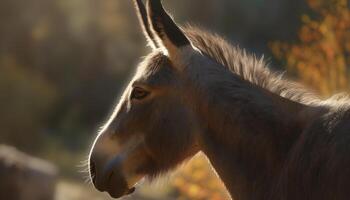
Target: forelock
(155, 69)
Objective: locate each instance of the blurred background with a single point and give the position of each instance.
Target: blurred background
(63, 64)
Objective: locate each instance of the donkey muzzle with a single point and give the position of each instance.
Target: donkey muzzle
(109, 177)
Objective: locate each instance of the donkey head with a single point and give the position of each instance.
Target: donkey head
(154, 127)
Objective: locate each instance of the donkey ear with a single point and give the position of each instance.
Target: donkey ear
(142, 16)
(168, 33)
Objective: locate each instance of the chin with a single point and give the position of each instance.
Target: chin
(118, 193)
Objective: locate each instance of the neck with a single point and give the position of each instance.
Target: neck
(248, 131)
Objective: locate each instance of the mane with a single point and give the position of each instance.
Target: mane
(249, 67)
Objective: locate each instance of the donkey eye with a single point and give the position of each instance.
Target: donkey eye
(139, 93)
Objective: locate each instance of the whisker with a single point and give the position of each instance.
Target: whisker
(88, 180)
(82, 166)
(84, 162)
(84, 171)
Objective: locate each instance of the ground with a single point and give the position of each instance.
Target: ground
(73, 190)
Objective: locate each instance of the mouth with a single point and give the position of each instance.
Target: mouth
(118, 187)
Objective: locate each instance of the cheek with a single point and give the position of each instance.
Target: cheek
(134, 121)
(171, 136)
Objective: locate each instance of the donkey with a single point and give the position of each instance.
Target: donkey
(267, 138)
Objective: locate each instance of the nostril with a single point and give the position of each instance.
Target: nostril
(93, 172)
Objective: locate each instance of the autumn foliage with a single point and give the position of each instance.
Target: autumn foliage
(321, 56)
(198, 181)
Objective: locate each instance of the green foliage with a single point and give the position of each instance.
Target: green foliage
(62, 64)
(25, 101)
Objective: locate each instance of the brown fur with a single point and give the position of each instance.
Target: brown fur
(268, 138)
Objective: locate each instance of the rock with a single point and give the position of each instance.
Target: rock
(23, 177)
